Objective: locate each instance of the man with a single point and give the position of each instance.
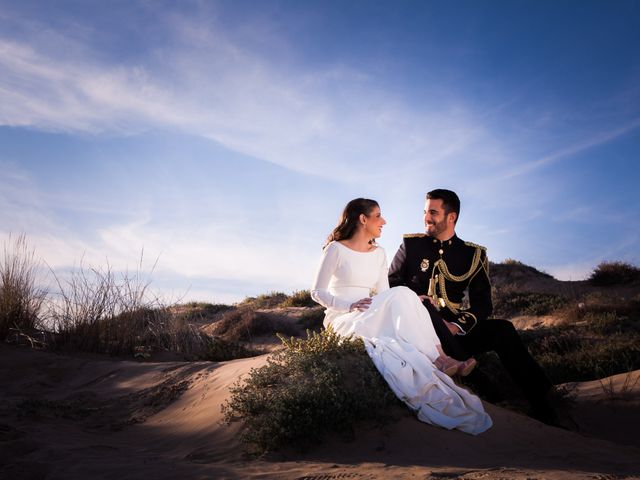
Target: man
(440, 267)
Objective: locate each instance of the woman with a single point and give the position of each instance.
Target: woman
(352, 284)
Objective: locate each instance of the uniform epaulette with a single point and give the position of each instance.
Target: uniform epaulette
(475, 245)
(414, 235)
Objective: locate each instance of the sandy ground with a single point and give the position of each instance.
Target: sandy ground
(70, 417)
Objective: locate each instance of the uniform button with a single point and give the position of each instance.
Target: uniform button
(440, 251)
(434, 240)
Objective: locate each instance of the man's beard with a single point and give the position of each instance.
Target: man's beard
(435, 229)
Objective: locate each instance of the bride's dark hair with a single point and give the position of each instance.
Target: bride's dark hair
(350, 218)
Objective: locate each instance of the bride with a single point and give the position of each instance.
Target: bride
(352, 284)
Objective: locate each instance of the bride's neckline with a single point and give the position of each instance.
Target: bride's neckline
(356, 251)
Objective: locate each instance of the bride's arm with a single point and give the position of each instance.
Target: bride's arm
(383, 277)
(320, 289)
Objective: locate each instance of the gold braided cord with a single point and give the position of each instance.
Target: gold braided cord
(445, 274)
(443, 292)
(459, 278)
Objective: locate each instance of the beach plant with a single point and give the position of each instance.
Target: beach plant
(603, 342)
(263, 301)
(21, 297)
(509, 303)
(614, 273)
(299, 298)
(99, 310)
(312, 319)
(324, 383)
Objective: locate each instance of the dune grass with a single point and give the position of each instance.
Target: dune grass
(244, 324)
(21, 298)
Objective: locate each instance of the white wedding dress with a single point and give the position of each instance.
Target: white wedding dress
(398, 335)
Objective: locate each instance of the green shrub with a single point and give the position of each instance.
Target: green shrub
(266, 300)
(312, 319)
(21, 299)
(598, 346)
(220, 350)
(322, 384)
(202, 310)
(614, 273)
(300, 298)
(511, 303)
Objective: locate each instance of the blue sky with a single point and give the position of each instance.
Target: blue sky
(225, 137)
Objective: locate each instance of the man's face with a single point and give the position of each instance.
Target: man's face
(437, 224)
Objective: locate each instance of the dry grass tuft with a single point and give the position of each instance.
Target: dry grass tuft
(21, 299)
(243, 324)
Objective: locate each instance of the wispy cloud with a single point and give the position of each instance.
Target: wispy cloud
(333, 122)
(594, 140)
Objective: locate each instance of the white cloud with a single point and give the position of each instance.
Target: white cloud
(334, 122)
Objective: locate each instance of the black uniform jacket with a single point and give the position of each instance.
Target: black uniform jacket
(413, 266)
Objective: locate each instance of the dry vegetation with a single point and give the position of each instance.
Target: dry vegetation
(21, 298)
(319, 384)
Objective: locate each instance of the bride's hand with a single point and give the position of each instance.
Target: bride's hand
(361, 304)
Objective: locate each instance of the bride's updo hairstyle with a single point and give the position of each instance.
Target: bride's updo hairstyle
(350, 219)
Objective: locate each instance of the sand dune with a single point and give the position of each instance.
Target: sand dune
(70, 417)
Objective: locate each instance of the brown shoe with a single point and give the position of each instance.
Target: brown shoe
(467, 367)
(447, 365)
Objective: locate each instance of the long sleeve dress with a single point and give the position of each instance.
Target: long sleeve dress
(398, 335)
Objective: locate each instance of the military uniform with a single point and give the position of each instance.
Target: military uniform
(444, 271)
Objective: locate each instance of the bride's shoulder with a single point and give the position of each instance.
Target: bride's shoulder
(377, 248)
(331, 246)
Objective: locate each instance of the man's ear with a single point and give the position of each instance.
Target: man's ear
(452, 217)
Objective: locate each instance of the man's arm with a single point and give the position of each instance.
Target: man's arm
(398, 268)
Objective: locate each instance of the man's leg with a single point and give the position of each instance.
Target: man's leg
(501, 336)
(449, 342)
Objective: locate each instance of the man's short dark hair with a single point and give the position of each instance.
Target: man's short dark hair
(450, 201)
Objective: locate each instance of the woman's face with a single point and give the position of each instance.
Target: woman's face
(373, 223)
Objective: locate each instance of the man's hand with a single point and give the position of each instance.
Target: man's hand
(453, 328)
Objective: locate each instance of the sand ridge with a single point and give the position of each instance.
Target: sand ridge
(91, 417)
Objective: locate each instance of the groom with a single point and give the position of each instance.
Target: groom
(439, 267)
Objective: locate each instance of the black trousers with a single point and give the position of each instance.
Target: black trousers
(500, 336)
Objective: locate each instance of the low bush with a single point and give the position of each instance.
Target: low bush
(510, 303)
(242, 324)
(322, 384)
(614, 273)
(220, 350)
(300, 298)
(266, 300)
(312, 319)
(600, 345)
(201, 310)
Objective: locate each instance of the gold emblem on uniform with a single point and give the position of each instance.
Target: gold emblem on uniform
(424, 265)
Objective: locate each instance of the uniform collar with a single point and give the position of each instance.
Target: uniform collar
(441, 243)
